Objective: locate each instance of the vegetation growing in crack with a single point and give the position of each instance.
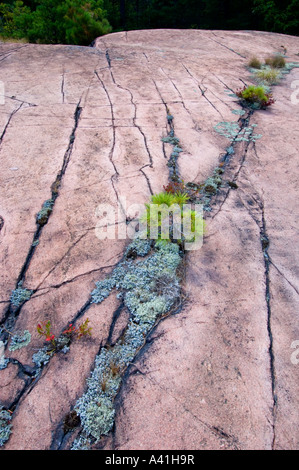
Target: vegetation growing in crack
(255, 63)
(271, 71)
(5, 425)
(255, 97)
(63, 341)
(268, 76)
(44, 214)
(3, 360)
(236, 133)
(142, 283)
(276, 61)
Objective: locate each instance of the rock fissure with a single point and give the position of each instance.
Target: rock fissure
(265, 243)
(8, 122)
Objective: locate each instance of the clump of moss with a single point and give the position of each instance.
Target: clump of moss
(255, 97)
(171, 139)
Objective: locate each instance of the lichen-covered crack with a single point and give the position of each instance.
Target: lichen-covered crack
(260, 219)
(13, 309)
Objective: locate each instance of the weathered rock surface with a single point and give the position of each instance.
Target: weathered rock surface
(83, 126)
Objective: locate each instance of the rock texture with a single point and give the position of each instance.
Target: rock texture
(84, 126)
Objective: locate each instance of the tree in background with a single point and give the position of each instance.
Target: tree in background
(280, 16)
(80, 22)
(201, 14)
(54, 21)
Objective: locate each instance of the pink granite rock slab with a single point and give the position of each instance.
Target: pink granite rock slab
(84, 126)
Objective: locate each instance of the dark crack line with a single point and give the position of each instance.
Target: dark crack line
(8, 122)
(201, 90)
(62, 87)
(182, 101)
(12, 312)
(134, 122)
(61, 260)
(113, 125)
(111, 153)
(265, 245)
(281, 273)
(226, 47)
(147, 178)
(8, 53)
(135, 117)
(114, 138)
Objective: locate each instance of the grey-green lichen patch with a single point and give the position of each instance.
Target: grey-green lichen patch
(3, 360)
(20, 295)
(138, 247)
(150, 288)
(240, 112)
(43, 355)
(235, 133)
(97, 417)
(20, 340)
(171, 139)
(41, 358)
(5, 426)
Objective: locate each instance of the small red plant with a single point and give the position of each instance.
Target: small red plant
(77, 333)
(174, 187)
(82, 330)
(45, 330)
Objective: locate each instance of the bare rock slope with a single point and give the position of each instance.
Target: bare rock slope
(84, 126)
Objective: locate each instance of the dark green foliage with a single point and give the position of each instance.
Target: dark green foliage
(280, 16)
(54, 21)
(76, 22)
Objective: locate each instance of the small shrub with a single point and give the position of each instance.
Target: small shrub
(255, 96)
(276, 61)
(255, 63)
